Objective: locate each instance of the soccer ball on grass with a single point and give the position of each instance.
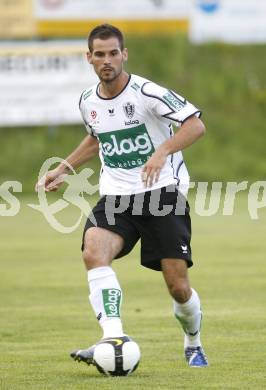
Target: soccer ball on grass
(116, 356)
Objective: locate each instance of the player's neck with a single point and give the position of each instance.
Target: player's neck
(113, 88)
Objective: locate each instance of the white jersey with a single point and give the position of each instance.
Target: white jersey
(129, 128)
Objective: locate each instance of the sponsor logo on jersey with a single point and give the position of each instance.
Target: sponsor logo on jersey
(93, 114)
(126, 148)
(111, 301)
(129, 110)
(87, 94)
(135, 86)
(111, 111)
(134, 122)
(173, 101)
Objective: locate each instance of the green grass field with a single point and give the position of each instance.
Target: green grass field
(44, 311)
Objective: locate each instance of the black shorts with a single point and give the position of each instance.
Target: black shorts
(162, 236)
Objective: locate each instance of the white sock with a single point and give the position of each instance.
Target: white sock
(106, 298)
(189, 315)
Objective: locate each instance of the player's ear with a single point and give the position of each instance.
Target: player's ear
(89, 56)
(125, 54)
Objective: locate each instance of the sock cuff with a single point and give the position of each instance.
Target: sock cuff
(100, 272)
(185, 308)
(193, 299)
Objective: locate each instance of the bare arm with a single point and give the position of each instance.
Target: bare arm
(192, 129)
(86, 150)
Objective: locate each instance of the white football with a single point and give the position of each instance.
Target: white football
(116, 356)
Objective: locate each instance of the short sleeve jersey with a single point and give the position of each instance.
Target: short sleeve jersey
(129, 128)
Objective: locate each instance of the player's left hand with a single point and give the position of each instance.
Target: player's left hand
(151, 171)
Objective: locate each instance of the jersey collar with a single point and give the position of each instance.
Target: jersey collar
(122, 90)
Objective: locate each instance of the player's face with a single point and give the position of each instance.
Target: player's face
(107, 58)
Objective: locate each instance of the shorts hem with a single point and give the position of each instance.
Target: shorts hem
(156, 264)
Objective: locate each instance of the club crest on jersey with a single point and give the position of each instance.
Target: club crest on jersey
(129, 110)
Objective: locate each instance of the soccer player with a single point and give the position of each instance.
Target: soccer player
(129, 120)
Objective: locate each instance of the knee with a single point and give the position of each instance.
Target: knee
(100, 247)
(93, 254)
(180, 290)
(92, 259)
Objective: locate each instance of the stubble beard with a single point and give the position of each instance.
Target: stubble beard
(108, 80)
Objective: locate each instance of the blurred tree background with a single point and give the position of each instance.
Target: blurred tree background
(227, 82)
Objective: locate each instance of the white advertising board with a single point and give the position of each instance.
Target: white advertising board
(41, 83)
(231, 21)
(114, 9)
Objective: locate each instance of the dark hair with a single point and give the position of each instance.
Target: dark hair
(105, 31)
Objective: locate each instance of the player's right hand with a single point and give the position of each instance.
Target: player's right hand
(51, 181)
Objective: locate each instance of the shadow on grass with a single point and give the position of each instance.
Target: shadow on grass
(99, 377)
